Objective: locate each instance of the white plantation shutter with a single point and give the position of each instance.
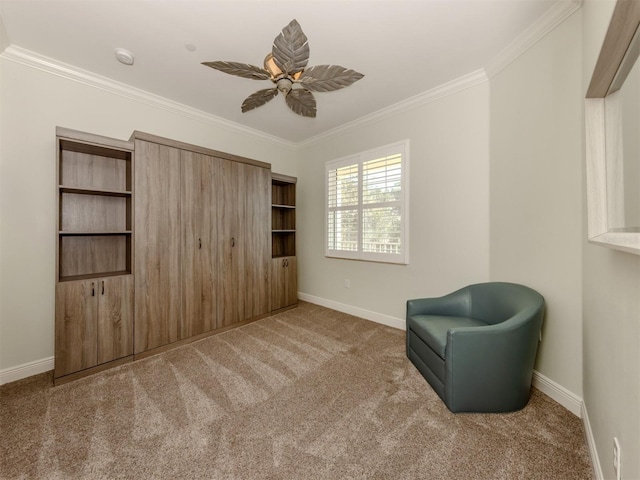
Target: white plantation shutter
(366, 205)
(342, 200)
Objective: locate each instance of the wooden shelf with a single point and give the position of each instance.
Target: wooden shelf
(68, 233)
(94, 191)
(282, 206)
(283, 216)
(72, 278)
(283, 193)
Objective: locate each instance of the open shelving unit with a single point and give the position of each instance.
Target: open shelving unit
(94, 245)
(284, 283)
(283, 216)
(94, 210)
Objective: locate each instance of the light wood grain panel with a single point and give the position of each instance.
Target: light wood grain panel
(278, 278)
(157, 247)
(230, 217)
(257, 239)
(283, 218)
(76, 326)
(199, 243)
(198, 149)
(92, 213)
(623, 26)
(291, 281)
(283, 244)
(81, 169)
(83, 140)
(284, 291)
(283, 193)
(93, 254)
(115, 318)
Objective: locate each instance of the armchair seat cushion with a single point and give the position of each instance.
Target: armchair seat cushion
(432, 329)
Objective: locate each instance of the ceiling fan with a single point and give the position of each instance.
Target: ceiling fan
(286, 67)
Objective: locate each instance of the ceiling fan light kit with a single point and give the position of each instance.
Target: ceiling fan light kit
(286, 67)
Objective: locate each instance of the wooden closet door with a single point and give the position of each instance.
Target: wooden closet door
(257, 241)
(115, 317)
(230, 222)
(284, 282)
(157, 245)
(76, 323)
(199, 243)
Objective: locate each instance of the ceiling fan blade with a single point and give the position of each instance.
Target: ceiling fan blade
(302, 102)
(327, 78)
(240, 69)
(291, 49)
(258, 99)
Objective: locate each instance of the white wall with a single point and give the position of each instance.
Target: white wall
(536, 208)
(611, 310)
(4, 39)
(449, 207)
(33, 103)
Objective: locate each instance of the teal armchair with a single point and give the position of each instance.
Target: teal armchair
(477, 346)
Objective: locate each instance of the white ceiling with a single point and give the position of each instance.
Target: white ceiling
(403, 47)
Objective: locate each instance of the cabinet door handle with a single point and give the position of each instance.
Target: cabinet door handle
(93, 289)
(283, 260)
(102, 287)
(233, 242)
(200, 243)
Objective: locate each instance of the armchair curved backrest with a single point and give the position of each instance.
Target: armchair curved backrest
(477, 345)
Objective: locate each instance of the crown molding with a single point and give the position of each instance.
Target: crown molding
(554, 16)
(40, 62)
(454, 86)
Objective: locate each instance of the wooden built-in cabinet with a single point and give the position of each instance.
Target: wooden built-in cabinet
(243, 236)
(95, 323)
(202, 242)
(157, 251)
(199, 259)
(200, 262)
(284, 282)
(94, 286)
(284, 276)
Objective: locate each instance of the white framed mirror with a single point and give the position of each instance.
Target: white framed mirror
(612, 121)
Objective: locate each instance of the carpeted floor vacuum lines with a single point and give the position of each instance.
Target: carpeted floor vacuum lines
(307, 394)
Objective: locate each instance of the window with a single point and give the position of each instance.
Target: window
(366, 201)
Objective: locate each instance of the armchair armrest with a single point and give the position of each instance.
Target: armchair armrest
(456, 304)
(493, 364)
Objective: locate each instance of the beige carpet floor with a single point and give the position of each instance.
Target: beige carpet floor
(307, 394)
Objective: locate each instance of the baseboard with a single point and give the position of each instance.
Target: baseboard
(355, 311)
(26, 370)
(564, 397)
(591, 444)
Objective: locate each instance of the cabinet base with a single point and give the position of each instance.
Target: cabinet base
(186, 341)
(138, 356)
(90, 371)
(284, 309)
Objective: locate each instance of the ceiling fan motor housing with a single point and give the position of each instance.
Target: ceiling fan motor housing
(284, 84)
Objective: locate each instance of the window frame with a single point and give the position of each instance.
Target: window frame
(401, 147)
